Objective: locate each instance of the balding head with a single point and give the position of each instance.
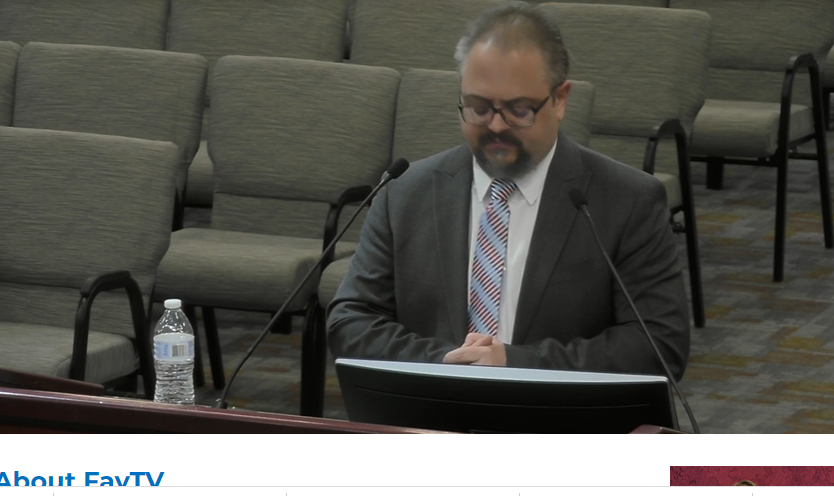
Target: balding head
(517, 26)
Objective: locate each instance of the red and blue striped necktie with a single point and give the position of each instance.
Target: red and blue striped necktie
(488, 262)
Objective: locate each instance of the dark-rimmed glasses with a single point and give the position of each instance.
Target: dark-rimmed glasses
(517, 115)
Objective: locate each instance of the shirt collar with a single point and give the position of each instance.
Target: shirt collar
(530, 185)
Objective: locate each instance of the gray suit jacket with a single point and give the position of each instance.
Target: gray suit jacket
(405, 297)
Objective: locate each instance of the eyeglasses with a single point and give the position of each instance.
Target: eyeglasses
(517, 115)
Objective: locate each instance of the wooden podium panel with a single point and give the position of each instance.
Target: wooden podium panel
(27, 411)
(24, 380)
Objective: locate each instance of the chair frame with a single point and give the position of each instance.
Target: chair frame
(826, 95)
(786, 150)
(92, 287)
(674, 128)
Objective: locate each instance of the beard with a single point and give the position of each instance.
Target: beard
(494, 165)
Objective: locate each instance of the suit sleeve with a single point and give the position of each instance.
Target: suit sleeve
(361, 319)
(647, 260)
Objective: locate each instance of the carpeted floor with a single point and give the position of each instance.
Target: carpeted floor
(764, 363)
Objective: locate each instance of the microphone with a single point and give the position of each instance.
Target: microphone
(394, 171)
(577, 197)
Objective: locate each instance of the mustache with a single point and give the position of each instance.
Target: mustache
(505, 137)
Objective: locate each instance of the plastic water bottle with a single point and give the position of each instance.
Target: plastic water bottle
(173, 350)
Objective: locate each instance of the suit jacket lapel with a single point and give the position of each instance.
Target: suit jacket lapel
(452, 204)
(553, 222)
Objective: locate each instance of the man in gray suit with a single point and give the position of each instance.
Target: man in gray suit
(477, 255)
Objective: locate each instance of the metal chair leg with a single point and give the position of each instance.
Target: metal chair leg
(688, 201)
(781, 160)
(284, 324)
(694, 261)
(692, 250)
(715, 173)
(795, 64)
(820, 124)
(313, 361)
(218, 377)
(199, 378)
(148, 371)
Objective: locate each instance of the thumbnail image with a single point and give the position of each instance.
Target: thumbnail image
(751, 476)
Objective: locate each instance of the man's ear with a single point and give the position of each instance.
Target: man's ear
(561, 98)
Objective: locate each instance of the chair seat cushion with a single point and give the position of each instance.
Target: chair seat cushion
(227, 269)
(47, 350)
(200, 188)
(331, 278)
(726, 128)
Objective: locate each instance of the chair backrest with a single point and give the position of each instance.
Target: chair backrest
(288, 135)
(9, 53)
(428, 121)
(119, 91)
(648, 65)
(129, 24)
(298, 29)
(74, 205)
(404, 34)
(580, 112)
(751, 45)
(290, 28)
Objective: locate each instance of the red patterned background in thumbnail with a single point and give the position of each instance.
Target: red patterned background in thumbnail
(763, 476)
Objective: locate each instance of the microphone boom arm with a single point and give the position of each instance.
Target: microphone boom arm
(394, 171)
(579, 202)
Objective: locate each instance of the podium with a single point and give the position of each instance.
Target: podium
(40, 404)
(28, 411)
(31, 403)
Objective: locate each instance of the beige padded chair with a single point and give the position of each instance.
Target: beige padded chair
(288, 137)
(404, 34)
(144, 94)
(81, 214)
(650, 83)
(299, 29)
(128, 24)
(428, 122)
(755, 113)
(9, 53)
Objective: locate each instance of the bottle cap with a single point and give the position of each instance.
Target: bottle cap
(172, 304)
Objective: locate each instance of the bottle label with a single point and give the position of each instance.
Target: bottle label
(175, 347)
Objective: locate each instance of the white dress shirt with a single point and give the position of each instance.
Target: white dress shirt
(524, 205)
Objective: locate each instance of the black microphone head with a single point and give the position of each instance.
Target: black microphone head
(396, 169)
(577, 197)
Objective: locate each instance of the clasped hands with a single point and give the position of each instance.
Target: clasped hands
(478, 349)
